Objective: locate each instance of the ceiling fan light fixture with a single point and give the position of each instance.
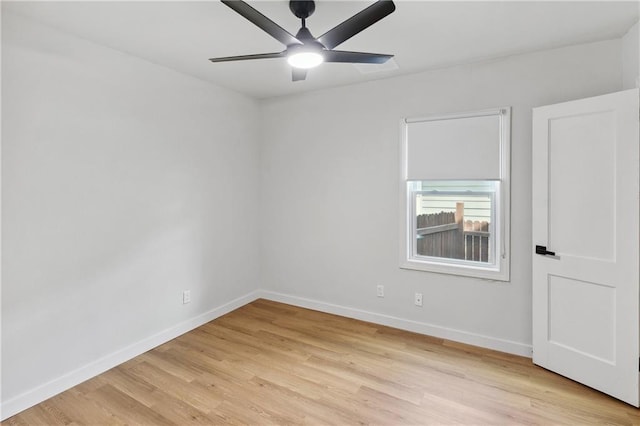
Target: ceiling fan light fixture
(305, 59)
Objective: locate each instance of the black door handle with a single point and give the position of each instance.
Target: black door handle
(542, 250)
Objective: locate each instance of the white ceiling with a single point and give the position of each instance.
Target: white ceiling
(422, 34)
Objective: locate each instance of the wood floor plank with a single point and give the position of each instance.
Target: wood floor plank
(130, 410)
(174, 386)
(271, 363)
(122, 379)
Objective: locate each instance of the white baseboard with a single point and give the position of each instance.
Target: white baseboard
(488, 342)
(47, 390)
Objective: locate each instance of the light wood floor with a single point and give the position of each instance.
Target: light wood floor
(270, 363)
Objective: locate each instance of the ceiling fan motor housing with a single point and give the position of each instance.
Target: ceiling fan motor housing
(305, 36)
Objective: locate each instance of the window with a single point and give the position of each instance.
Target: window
(455, 194)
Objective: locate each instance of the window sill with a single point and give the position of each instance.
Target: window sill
(491, 274)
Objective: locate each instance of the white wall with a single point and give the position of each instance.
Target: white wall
(631, 58)
(123, 183)
(330, 191)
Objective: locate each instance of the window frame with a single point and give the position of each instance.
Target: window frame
(500, 271)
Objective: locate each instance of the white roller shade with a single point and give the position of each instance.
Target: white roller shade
(460, 147)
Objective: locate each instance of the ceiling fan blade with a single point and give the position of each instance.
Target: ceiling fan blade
(355, 57)
(298, 74)
(357, 23)
(247, 57)
(264, 23)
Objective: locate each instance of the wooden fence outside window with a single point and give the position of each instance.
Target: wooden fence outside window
(448, 235)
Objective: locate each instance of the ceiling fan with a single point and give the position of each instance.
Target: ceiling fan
(303, 51)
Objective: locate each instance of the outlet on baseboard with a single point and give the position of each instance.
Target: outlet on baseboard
(186, 297)
(380, 290)
(418, 299)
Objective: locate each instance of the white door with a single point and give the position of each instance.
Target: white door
(586, 223)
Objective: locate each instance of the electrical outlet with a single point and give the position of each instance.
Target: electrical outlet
(380, 291)
(186, 297)
(418, 299)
